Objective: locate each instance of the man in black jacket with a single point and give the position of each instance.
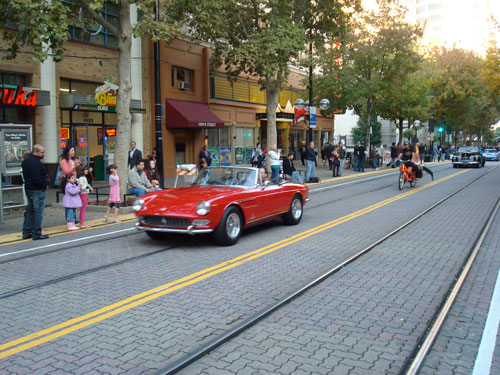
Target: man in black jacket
(134, 155)
(289, 169)
(328, 152)
(36, 180)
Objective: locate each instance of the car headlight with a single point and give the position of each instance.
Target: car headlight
(137, 205)
(203, 208)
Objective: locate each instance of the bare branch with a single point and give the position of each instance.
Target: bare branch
(100, 19)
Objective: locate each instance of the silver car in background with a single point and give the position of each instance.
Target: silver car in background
(491, 154)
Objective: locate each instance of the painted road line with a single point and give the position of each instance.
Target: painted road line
(16, 238)
(36, 338)
(484, 357)
(67, 242)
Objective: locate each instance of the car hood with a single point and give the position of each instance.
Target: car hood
(185, 199)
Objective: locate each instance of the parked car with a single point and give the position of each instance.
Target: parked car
(491, 154)
(468, 156)
(222, 201)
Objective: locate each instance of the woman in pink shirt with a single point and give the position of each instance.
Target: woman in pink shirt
(67, 163)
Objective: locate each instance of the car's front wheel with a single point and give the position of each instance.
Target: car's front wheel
(294, 214)
(230, 227)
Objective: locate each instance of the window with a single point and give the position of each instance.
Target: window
(77, 87)
(244, 137)
(13, 114)
(182, 78)
(97, 34)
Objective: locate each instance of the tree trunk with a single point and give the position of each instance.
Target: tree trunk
(272, 96)
(400, 127)
(124, 94)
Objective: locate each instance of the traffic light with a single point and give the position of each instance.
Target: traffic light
(440, 129)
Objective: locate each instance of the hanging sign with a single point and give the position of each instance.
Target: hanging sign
(64, 133)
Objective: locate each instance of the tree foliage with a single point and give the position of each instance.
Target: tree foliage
(42, 26)
(461, 96)
(263, 38)
(358, 132)
(377, 51)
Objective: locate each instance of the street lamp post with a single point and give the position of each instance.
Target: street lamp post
(324, 104)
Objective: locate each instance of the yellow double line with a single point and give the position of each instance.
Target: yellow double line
(72, 325)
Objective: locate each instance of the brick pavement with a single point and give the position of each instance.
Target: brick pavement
(456, 346)
(213, 307)
(366, 319)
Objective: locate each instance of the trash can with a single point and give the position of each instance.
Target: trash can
(98, 167)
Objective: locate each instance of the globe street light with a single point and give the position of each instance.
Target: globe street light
(324, 104)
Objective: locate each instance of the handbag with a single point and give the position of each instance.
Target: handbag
(336, 162)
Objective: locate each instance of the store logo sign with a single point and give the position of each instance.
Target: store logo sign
(105, 99)
(18, 96)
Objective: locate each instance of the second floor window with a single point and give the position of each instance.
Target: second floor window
(97, 34)
(182, 78)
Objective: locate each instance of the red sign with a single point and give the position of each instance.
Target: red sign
(111, 132)
(19, 96)
(64, 133)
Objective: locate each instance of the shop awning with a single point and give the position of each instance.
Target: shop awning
(181, 114)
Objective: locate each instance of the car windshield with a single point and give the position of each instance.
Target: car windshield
(491, 150)
(227, 176)
(468, 149)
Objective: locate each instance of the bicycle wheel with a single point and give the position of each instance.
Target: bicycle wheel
(401, 180)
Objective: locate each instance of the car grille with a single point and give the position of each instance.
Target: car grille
(166, 221)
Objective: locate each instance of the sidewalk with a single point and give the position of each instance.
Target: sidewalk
(53, 220)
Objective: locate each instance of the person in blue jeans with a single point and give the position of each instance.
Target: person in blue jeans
(341, 152)
(138, 181)
(310, 156)
(36, 180)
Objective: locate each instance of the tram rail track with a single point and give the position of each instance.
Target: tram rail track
(66, 277)
(414, 361)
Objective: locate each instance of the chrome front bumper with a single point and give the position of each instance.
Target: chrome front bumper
(189, 230)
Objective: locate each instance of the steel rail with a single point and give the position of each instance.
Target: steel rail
(246, 324)
(73, 247)
(90, 270)
(413, 362)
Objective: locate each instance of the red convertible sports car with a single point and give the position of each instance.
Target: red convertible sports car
(222, 201)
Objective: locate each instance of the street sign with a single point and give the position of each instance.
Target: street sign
(312, 117)
(429, 137)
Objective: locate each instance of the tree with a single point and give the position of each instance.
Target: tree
(359, 131)
(406, 97)
(461, 100)
(263, 38)
(43, 26)
(376, 51)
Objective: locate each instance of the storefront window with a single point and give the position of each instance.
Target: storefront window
(219, 145)
(77, 87)
(244, 144)
(13, 114)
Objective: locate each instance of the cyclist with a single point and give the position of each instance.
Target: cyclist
(409, 156)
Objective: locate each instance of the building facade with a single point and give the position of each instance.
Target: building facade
(199, 108)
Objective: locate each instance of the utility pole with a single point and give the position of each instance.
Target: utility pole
(158, 119)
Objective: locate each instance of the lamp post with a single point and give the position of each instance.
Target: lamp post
(324, 104)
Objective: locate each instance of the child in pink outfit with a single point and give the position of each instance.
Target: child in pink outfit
(114, 193)
(85, 189)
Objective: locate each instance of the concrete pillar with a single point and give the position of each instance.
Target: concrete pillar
(49, 113)
(137, 126)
